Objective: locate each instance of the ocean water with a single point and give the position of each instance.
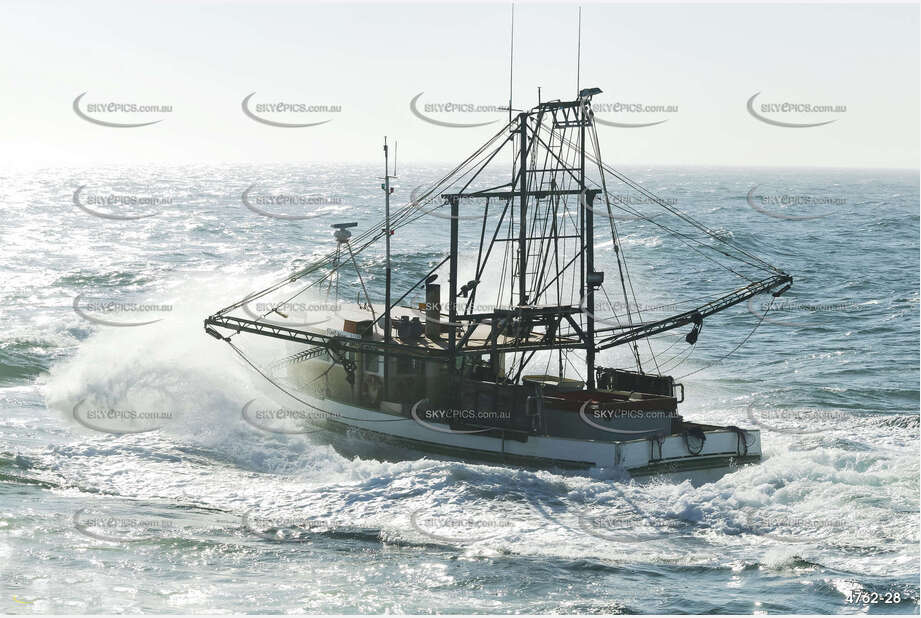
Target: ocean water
(207, 513)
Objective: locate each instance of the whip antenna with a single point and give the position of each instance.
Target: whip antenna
(579, 52)
(511, 65)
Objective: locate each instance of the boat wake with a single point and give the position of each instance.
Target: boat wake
(800, 501)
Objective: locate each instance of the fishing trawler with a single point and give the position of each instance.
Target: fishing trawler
(463, 371)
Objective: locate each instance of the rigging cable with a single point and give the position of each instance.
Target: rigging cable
(401, 218)
(621, 260)
(361, 279)
(747, 337)
(686, 353)
(293, 396)
(471, 168)
(681, 215)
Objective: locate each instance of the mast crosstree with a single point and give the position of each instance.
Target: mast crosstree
(536, 256)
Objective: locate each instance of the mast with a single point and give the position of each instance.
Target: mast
(523, 214)
(387, 333)
(559, 170)
(452, 280)
(588, 219)
(386, 188)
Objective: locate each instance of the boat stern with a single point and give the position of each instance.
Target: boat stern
(699, 453)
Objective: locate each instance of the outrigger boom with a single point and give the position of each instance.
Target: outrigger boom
(376, 366)
(243, 325)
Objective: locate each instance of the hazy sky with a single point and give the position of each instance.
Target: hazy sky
(203, 58)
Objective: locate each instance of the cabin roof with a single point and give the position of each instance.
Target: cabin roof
(353, 312)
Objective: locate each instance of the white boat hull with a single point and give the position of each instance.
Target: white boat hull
(670, 457)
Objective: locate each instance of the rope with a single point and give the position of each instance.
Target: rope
(295, 397)
(719, 360)
(469, 170)
(362, 281)
(659, 201)
(621, 260)
(697, 433)
(741, 440)
(403, 217)
(682, 357)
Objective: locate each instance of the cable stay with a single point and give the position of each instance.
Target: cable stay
(536, 250)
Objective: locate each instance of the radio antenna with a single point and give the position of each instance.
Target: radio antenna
(579, 52)
(511, 65)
